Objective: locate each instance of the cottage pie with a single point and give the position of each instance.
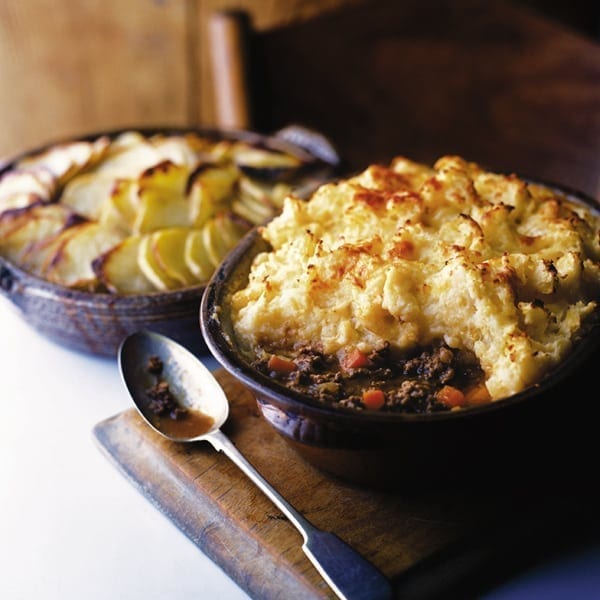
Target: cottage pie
(415, 289)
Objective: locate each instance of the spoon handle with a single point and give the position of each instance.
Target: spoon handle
(349, 574)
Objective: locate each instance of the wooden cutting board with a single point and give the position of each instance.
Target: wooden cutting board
(431, 543)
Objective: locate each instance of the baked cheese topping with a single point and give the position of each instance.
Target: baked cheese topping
(409, 255)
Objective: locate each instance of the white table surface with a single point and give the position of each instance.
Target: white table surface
(71, 526)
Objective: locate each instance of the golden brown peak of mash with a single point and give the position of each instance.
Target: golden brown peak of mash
(408, 254)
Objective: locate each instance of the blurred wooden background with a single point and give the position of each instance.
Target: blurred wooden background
(68, 68)
(499, 82)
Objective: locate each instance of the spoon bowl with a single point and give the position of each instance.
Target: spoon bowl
(159, 373)
(190, 383)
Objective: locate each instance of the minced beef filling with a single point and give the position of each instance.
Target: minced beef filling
(410, 384)
(161, 401)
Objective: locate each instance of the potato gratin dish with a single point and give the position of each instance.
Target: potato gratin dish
(417, 289)
(138, 213)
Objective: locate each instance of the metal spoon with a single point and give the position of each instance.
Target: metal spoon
(194, 387)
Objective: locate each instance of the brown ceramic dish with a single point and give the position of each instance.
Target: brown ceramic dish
(543, 429)
(96, 323)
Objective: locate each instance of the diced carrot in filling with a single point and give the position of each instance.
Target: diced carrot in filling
(373, 398)
(477, 395)
(280, 365)
(354, 359)
(436, 378)
(451, 397)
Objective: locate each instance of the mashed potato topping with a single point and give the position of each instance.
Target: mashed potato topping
(409, 255)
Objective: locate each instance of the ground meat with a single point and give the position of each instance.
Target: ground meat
(414, 395)
(155, 365)
(410, 383)
(161, 401)
(310, 360)
(434, 364)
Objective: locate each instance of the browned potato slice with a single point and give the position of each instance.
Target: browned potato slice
(219, 180)
(87, 193)
(162, 201)
(65, 160)
(100, 147)
(128, 156)
(215, 245)
(38, 256)
(121, 208)
(21, 188)
(125, 141)
(270, 194)
(196, 257)
(119, 269)
(159, 209)
(231, 229)
(71, 266)
(220, 235)
(279, 192)
(210, 186)
(168, 246)
(151, 267)
(22, 229)
(165, 175)
(177, 149)
(17, 218)
(18, 201)
(206, 248)
(38, 181)
(252, 210)
(223, 150)
(266, 164)
(201, 205)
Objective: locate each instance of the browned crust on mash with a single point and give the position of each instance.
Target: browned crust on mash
(411, 258)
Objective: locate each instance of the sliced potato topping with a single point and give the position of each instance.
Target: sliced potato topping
(152, 269)
(119, 268)
(21, 230)
(138, 213)
(71, 265)
(168, 247)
